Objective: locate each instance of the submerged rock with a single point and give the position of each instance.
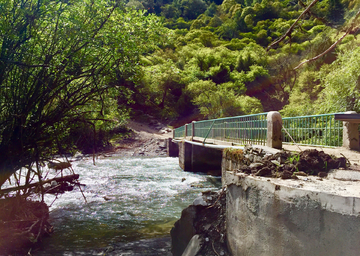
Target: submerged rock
(183, 230)
(201, 228)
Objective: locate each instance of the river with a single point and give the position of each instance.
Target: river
(144, 198)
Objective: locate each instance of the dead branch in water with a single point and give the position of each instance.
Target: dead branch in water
(69, 178)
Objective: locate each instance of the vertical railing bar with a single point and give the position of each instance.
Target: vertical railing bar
(322, 128)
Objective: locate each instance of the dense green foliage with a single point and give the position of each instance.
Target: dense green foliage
(62, 64)
(219, 59)
(69, 68)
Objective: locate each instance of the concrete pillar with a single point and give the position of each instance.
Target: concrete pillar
(274, 125)
(172, 148)
(185, 155)
(350, 134)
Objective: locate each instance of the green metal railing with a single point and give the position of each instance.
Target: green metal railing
(316, 130)
(180, 132)
(189, 130)
(249, 129)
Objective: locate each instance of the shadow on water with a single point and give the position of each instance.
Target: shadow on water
(144, 247)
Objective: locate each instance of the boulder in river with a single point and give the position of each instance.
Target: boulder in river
(201, 228)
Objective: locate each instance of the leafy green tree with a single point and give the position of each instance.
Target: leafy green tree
(238, 44)
(197, 24)
(211, 10)
(303, 95)
(182, 24)
(135, 4)
(59, 67)
(341, 81)
(169, 11)
(226, 5)
(192, 8)
(220, 101)
(163, 86)
(199, 36)
(215, 22)
(228, 30)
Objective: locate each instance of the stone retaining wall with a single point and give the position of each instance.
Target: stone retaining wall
(310, 216)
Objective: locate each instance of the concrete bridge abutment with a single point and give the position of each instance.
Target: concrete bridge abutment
(271, 216)
(197, 158)
(172, 148)
(185, 156)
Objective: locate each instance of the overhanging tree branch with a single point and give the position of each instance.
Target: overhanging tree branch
(289, 31)
(348, 31)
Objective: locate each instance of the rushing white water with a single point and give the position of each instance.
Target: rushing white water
(146, 196)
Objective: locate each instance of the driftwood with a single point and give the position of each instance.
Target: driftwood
(68, 178)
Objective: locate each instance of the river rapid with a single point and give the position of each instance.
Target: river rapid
(128, 199)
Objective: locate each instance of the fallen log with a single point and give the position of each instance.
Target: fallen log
(68, 178)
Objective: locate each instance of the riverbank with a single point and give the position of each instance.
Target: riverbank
(22, 226)
(129, 201)
(110, 185)
(144, 140)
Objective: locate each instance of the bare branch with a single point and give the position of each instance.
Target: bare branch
(289, 31)
(313, 14)
(27, 65)
(349, 30)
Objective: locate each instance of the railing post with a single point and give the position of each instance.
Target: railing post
(186, 129)
(192, 130)
(350, 134)
(274, 125)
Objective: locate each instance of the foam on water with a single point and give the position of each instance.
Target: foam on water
(146, 196)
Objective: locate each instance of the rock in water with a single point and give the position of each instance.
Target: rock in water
(201, 229)
(183, 231)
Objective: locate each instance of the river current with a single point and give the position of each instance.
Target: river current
(128, 199)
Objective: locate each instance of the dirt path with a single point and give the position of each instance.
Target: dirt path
(147, 131)
(145, 140)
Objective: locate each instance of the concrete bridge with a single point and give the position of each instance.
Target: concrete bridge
(199, 152)
(271, 216)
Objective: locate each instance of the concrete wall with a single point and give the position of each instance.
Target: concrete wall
(268, 216)
(207, 160)
(185, 153)
(195, 158)
(172, 148)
